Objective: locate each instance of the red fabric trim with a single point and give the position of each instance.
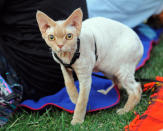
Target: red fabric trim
(22, 105)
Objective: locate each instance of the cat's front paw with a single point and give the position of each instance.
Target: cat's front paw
(122, 111)
(76, 121)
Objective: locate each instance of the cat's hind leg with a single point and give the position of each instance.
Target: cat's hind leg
(69, 83)
(133, 89)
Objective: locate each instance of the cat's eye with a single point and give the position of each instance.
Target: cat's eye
(51, 37)
(69, 36)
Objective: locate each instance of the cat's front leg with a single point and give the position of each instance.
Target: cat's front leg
(81, 105)
(70, 86)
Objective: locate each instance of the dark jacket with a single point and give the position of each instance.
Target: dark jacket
(23, 47)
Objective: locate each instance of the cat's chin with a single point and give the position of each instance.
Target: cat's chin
(66, 50)
(62, 51)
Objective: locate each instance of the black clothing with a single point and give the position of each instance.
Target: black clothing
(23, 47)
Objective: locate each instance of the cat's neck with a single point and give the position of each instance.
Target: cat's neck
(68, 57)
(65, 57)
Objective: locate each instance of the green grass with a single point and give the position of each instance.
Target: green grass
(106, 120)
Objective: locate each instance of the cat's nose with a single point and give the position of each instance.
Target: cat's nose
(60, 46)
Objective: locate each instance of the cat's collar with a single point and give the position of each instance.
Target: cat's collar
(74, 58)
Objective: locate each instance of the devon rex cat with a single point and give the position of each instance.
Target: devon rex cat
(104, 45)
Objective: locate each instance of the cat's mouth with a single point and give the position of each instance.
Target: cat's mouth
(57, 50)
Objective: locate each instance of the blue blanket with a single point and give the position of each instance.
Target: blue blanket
(97, 101)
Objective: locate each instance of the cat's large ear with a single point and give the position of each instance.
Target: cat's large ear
(44, 21)
(75, 19)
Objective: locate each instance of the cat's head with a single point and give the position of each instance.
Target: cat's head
(60, 35)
